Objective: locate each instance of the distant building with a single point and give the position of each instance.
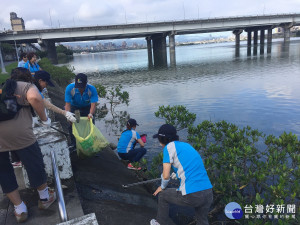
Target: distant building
(17, 23)
(278, 30)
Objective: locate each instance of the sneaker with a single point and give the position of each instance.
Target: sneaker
(154, 222)
(21, 217)
(131, 167)
(42, 204)
(17, 164)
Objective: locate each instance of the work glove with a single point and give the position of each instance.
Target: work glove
(35, 121)
(46, 123)
(90, 116)
(173, 176)
(70, 117)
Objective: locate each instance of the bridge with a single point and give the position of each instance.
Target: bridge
(156, 33)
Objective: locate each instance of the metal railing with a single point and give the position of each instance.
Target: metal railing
(60, 197)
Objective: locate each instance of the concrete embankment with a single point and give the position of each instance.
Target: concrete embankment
(99, 183)
(95, 187)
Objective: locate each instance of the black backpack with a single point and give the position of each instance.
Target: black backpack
(9, 106)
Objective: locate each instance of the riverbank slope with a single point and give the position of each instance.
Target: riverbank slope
(99, 183)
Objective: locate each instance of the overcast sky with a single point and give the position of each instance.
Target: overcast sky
(69, 13)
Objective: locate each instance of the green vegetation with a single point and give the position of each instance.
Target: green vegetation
(62, 49)
(41, 54)
(178, 116)
(114, 95)
(7, 48)
(61, 74)
(245, 166)
(3, 77)
(8, 69)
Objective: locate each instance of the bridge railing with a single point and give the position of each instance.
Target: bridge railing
(143, 23)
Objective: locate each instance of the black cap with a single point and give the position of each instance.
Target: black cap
(43, 75)
(80, 80)
(166, 130)
(132, 123)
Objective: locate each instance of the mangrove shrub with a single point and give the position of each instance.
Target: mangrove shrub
(258, 171)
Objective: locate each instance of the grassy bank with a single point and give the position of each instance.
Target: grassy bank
(8, 69)
(61, 74)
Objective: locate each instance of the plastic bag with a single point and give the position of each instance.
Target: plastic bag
(89, 139)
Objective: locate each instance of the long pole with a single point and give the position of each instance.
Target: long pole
(139, 183)
(1, 61)
(16, 46)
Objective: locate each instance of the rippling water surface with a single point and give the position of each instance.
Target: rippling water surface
(261, 91)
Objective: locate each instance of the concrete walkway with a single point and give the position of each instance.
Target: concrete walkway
(39, 217)
(99, 183)
(99, 187)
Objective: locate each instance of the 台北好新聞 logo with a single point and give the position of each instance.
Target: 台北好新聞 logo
(233, 211)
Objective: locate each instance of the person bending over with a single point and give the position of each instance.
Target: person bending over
(195, 188)
(17, 135)
(127, 142)
(83, 97)
(41, 80)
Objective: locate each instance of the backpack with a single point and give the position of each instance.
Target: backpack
(9, 106)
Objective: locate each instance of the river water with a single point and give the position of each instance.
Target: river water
(261, 91)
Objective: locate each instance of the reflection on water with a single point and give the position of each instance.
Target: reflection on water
(258, 90)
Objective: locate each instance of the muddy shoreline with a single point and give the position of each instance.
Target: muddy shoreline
(99, 183)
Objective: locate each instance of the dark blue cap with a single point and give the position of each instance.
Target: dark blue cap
(43, 75)
(132, 123)
(166, 130)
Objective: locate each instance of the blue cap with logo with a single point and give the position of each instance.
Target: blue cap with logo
(80, 80)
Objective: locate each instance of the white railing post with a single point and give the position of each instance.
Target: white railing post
(60, 199)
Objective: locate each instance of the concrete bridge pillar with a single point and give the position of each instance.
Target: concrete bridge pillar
(237, 42)
(159, 50)
(49, 46)
(149, 49)
(255, 36)
(269, 40)
(172, 49)
(237, 34)
(262, 41)
(287, 32)
(249, 36)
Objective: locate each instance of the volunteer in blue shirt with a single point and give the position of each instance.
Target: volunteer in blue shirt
(126, 144)
(195, 188)
(23, 60)
(31, 64)
(81, 96)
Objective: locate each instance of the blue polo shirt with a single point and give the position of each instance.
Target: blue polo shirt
(188, 165)
(32, 67)
(73, 96)
(127, 140)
